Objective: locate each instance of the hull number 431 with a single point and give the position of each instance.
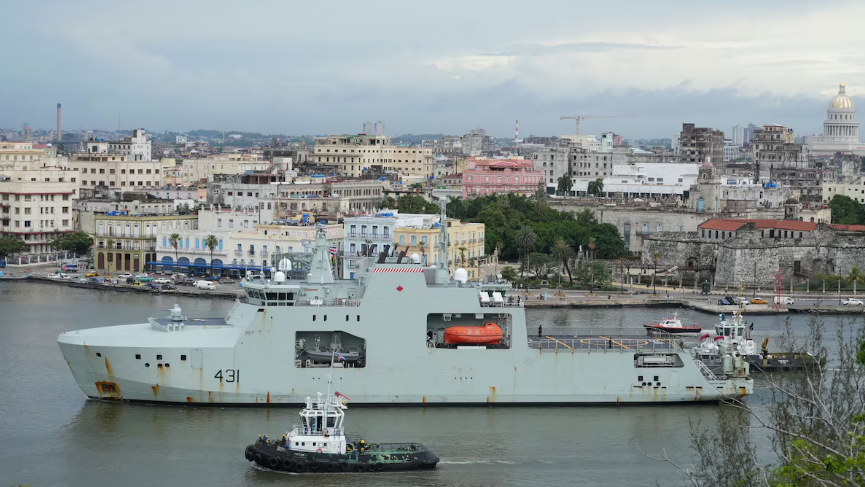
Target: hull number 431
(230, 375)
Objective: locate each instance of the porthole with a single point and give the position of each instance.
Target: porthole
(147, 365)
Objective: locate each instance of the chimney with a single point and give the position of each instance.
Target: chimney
(59, 117)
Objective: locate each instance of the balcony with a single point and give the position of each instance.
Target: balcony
(264, 253)
(238, 253)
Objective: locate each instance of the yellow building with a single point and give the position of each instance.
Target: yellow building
(465, 245)
(124, 243)
(350, 154)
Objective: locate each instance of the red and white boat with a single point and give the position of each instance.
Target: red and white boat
(673, 325)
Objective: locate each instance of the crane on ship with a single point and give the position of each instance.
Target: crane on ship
(577, 118)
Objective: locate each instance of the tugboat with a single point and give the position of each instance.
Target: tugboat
(672, 325)
(318, 444)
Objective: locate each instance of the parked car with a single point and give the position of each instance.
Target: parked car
(161, 280)
(167, 287)
(723, 302)
(205, 285)
(783, 300)
(744, 302)
(730, 299)
(125, 275)
(759, 301)
(852, 302)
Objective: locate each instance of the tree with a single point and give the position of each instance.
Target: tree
(174, 240)
(509, 273)
(388, 202)
(563, 253)
(455, 208)
(526, 239)
(846, 211)
(855, 276)
(10, 244)
(595, 187)
(79, 243)
(211, 242)
(110, 243)
(565, 184)
(655, 258)
(586, 218)
(412, 203)
(592, 246)
(590, 273)
(422, 247)
(815, 420)
(462, 254)
(540, 264)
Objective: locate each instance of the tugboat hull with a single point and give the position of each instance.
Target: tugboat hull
(393, 458)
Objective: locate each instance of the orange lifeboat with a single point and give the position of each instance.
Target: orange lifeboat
(488, 334)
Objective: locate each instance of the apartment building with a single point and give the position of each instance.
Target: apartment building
(365, 234)
(484, 177)
(465, 246)
(135, 148)
(699, 145)
(117, 172)
(36, 206)
(352, 155)
(202, 170)
(126, 242)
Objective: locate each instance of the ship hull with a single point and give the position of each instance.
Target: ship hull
(404, 457)
(249, 358)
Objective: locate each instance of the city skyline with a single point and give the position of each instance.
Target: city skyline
(246, 72)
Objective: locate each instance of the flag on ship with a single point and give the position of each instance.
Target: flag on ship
(332, 251)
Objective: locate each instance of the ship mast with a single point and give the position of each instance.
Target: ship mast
(442, 276)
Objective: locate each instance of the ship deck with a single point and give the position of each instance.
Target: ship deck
(601, 342)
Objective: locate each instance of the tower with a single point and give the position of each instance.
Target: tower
(26, 132)
(517, 134)
(59, 122)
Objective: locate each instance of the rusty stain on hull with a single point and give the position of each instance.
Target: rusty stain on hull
(189, 399)
(268, 397)
(155, 389)
(108, 368)
(108, 390)
(209, 396)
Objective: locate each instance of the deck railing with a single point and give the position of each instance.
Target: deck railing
(612, 344)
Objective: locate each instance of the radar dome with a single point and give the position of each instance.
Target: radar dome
(284, 265)
(279, 276)
(415, 259)
(460, 275)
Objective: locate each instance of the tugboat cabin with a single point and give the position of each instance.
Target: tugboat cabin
(321, 427)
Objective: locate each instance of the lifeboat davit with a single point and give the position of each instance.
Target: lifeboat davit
(489, 334)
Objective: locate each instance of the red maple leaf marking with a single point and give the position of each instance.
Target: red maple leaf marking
(399, 288)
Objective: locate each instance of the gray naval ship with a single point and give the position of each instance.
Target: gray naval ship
(401, 333)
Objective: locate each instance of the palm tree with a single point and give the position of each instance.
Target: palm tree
(462, 254)
(655, 258)
(564, 253)
(368, 252)
(855, 276)
(110, 244)
(174, 240)
(565, 184)
(595, 187)
(422, 247)
(211, 242)
(592, 246)
(526, 239)
(496, 253)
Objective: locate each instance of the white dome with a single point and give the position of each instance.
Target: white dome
(461, 275)
(279, 277)
(415, 259)
(284, 265)
(841, 102)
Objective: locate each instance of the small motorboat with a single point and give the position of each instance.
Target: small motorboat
(488, 334)
(673, 325)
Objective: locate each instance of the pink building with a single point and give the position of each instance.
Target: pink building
(484, 177)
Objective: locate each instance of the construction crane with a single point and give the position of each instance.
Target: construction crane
(577, 118)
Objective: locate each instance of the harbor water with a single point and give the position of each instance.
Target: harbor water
(53, 436)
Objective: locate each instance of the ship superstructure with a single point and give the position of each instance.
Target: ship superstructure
(387, 329)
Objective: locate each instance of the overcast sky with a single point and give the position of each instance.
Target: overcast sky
(315, 67)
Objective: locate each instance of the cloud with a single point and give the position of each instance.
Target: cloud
(289, 67)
